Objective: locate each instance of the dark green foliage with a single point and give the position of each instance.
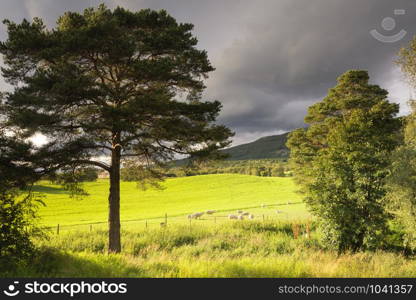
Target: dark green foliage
(17, 210)
(402, 180)
(17, 228)
(342, 159)
(83, 174)
(263, 167)
(111, 82)
(88, 94)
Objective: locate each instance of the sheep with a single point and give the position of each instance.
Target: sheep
(231, 217)
(195, 215)
(241, 217)
(239, 211)
(251, 216)
(278, 211)
(210, 212)
(263, 205)
(163, 224)
(245, 213)
(198, 215)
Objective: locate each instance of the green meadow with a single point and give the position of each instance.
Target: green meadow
(177, 197)
(232, 249)
(281, 241)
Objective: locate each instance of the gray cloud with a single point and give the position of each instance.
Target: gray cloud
(273, 58)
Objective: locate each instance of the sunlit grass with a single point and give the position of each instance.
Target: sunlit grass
(179, 197)
(234, 249)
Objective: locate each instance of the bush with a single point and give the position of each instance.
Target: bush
(17, 228)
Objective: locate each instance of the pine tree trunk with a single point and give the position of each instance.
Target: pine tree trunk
(114, 245)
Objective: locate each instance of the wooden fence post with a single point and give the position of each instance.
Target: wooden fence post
(57, 230)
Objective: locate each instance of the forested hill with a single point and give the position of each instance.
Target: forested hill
(273, 146)
(268, 147)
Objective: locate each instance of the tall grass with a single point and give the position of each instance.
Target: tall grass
(235, 249)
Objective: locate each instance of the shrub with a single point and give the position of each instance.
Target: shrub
(17, 228)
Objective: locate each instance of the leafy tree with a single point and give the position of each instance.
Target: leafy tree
(341, 160)
(17, 209)
(119, 83)
(402, 180)
(278, 171)
(17, 227)
(407, 61)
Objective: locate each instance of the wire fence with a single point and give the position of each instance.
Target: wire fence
(269, 212)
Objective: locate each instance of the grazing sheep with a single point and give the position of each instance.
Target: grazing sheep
(278, 211)
(210, 212)
(245, 214)
(263, 205)
(241, 217)
(251, 217)
(163, 224)
(195, 215)
(239, 211)
(231, 217)
(198, 215)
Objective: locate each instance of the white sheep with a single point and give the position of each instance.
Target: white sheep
(210, 212)
(198, 215)
(231, 217)
(251, 216)
(263, 205)
(195, 215)
(278, 211)
(239, 211)
(241, 217)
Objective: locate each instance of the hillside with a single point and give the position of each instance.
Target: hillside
(273, 146)
(268, 147)
(179, 196)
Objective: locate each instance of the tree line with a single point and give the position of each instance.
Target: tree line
(261, 167)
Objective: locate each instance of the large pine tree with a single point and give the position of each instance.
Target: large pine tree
(114, 83)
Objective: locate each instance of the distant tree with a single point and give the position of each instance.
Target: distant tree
(407, 61)
(341, 161)
(278, 171)
(119, 83)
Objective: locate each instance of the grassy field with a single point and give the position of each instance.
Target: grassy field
(178, 198)
(284, 244)
(232, 249)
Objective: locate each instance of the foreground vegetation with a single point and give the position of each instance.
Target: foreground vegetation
(233, 249)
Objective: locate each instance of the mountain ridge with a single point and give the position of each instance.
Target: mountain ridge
(267, 147)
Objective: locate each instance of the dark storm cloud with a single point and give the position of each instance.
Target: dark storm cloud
(290, 56)
(274, 58)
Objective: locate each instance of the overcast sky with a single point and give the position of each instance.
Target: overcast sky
(273, 58)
